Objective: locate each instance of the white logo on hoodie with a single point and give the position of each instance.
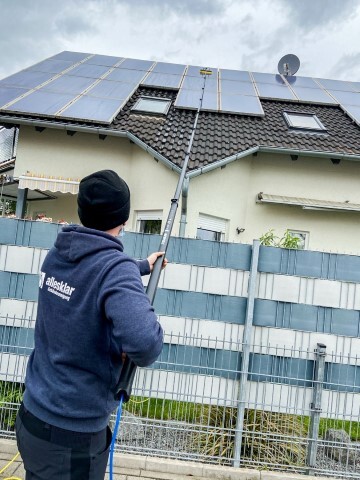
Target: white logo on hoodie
(58, 288)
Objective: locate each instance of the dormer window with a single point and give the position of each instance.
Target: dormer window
(303, 121)
(152, 105)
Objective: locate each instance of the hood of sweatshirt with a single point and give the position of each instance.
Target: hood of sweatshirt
(75, 242)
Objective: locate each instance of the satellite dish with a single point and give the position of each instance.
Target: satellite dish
(288, 65)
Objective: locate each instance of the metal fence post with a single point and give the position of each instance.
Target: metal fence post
(246, 353)
(315, 407)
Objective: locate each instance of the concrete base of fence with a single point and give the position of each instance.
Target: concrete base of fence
(137, 467)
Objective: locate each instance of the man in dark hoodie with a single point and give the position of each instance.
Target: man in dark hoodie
(92, 310)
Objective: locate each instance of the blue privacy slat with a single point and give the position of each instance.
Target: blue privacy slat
(16, 340)
(310, 318)
(291, 371)
(306, 263)
(342, 378)
(20, 286)
(191, 251)
(28, 233)
(200, 361)
(200, 305)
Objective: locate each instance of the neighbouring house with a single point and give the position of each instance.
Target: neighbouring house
(269, 152)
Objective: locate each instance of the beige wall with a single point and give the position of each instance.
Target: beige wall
(231, 192)
(54, 153)
(226, 193)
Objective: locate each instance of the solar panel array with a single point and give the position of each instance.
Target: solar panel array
(80, 86)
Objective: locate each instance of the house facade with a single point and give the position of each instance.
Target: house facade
(295, 166)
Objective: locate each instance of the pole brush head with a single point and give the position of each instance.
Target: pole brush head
(206, 71)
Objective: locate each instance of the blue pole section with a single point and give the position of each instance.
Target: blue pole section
(246, 353)
(114, 437)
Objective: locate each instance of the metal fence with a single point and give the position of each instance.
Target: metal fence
(245, 394)
(187, 405)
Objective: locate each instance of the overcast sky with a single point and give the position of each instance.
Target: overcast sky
(238, 34)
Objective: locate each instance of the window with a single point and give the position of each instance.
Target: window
(152, 105)
(302, 236)
(211, 228)
(303, 121)
(149, 221)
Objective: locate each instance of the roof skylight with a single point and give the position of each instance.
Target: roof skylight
(154, 105)
(303, 121)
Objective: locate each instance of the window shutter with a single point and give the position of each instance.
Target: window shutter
(215, 224)
(149, 215)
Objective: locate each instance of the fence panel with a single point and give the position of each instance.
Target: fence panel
(187, 404)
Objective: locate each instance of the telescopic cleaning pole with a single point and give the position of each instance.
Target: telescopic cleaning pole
(124, 386)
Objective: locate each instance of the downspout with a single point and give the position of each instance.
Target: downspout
(184, 197)
(221, 163)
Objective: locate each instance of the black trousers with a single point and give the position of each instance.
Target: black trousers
(52, 453)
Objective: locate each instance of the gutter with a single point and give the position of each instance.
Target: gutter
(194, 173)
(99, 131)
(279, 150)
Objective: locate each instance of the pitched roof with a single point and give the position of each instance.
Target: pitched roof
(220, 135)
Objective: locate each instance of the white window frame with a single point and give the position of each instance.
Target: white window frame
(147, 215)
(137, 107)
(214, 224)
(300, 234)
(317, 127)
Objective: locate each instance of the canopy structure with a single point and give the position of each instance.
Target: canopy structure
(49, 183)
(308, 203)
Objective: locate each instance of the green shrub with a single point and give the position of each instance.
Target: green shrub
(10, 397)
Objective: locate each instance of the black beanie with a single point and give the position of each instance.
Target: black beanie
(103, 200)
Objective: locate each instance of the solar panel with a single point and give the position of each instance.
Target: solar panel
(26, 78)
(172, 68)
(88, 70)
(52, 66)
(335, 84)
(133, 64)
(7, 94)
(266, 90)
(191, 99)
(107, 60)
(316, 95)
(41, 102)
(235, 75)
(346, 98)
(124, 75)
(268, 78)
(86, 107)
(108, 89)
(232, 87)
(163, 80)
(302, 82)
(244, 104)
(68, 84)
(196, 83)
(356, 86)
(71, 56)
(354, 112)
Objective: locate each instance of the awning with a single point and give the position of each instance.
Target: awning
(49, 184)
(308, 203)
